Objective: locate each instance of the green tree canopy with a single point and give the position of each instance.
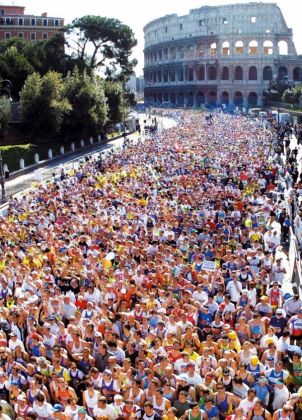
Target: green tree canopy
(43, 105)
(117, 103)
(15, 67)
(102, 42)
(89, 111)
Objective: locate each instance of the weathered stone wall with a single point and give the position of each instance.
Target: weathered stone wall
(225, 54)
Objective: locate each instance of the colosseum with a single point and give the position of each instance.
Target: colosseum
(224, 56)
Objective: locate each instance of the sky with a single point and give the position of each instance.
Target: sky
(137, 13)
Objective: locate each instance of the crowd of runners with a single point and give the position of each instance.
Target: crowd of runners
(151, 285)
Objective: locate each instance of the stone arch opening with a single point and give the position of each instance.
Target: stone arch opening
(267, 73)
(190, 99)
(239, 47)
(160, 97)
(166, 54)
(190, 74)
(213, 49)
(238, 99)
(253, 47)
(172, 98)
(225, 98)
(181, 75)
(166, 97)
(172, 53)
(200, 98)
(211, 97)
(172, 75)
(297, 74)
(225, 73)
(158, 77)
(160, 55)
(252, 99)
(268, 47)
(191, 52)
(253, 73)
(225, 48)
(282, 73)
(212, 73)
(180, 52)
(201, 50)
(165, 76)
(181, 99)
(200, 73)
(238, 73)
(282, 47)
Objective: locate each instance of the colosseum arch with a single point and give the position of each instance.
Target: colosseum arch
(160, 97)
(282, 47)
(190, 98)
(166, 54)
(225, 98)
(212, 73)
(190, 52)
(165, 76)
(211, 97)
(173, 98)
(213, 49)
(172, 75)
(268, 48)
(225, 48)
(238, 73)
(238, 99)
(180, 52)
(282, 72)
(165, 97)
(252, 99)
(253, 47)
(253, 73)
(160, 55)
(200, 98)
(297, 74)
(201, 50)
(172, 53)
(225, 73)
(180, 98)
(190, 74)
(200, 73)
(239, 47)
(180, 75)
(267, 73)
(158, 76)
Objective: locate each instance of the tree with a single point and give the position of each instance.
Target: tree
(102, 42)
(117, 104)
(43, 105)
(89, 112)
(292, 95)
(15, 67)
(4, 112)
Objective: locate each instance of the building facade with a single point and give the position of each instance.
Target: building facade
(15, 23)
(224, 55)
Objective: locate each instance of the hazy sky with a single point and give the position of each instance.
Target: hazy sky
(136, 13)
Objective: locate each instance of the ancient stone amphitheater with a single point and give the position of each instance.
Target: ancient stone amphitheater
(219, 55)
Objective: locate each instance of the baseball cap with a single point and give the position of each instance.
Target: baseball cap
(279, 312)
(57, 408)
(82, 410)
(182, 377)
(262, 379)
(254, 360)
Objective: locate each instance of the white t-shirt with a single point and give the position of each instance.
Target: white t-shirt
(107, 411)
(246, 405)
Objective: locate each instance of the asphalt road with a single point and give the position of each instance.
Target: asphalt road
(27, 181)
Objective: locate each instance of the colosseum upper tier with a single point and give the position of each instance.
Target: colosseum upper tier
(219, 55)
